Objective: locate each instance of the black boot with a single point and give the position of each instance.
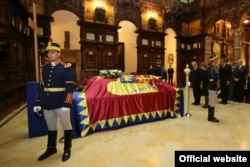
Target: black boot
(67, 145)
(211, 115)
(51, 146)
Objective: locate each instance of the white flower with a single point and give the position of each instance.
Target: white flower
(110, 73)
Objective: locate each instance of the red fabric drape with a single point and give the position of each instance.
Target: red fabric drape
(103, 104)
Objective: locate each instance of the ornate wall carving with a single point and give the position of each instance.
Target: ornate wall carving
(174, 11)
(74, 6)
(128, 10)
(232, 10)
(191, 22)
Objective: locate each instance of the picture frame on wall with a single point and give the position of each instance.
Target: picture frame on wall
(170, 58)
(158, 43)
(90, 36)
(144, 42)
(109, 38)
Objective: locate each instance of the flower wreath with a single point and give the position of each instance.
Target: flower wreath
(110, 73)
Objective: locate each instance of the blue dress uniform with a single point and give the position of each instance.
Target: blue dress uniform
(213, 77)
(213, 86)
(56, 96)
(57, 85)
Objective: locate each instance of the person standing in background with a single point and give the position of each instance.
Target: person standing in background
(230, 87)
(170, 75)
(157, 70)
(239, 74)
(225, 74)
(247, 89)
(213, 86)
(160, 72)
(163, 74)
(204, 81)
(56, 95)
(196, 82)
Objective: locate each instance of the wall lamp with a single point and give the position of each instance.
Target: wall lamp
(99, 12)
(152, 23)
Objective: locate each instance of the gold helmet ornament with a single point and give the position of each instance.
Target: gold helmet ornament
(53, 46)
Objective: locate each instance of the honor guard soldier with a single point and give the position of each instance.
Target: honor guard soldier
(213, 86)
(55, 98)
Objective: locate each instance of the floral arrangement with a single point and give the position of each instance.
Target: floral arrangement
(110, 73)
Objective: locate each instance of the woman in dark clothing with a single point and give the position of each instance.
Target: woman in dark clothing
(196, 82)
(204, 81)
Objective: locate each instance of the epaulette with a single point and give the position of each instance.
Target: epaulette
(66, 65)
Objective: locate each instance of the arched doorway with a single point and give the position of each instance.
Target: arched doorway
(65, 21)
(222, 38)
(170, 51)
(128, 36)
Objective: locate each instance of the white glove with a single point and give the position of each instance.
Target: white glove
(38, 110)
(64, 109)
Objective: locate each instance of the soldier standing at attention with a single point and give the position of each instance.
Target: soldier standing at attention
(213, 86)
(56, 95)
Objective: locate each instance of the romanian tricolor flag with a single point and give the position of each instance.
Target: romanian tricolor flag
(108, 103)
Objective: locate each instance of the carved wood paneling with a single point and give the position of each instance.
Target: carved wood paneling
(189, 49)
(150, 50)
(128, 10)
(15, 40)
(99, 48)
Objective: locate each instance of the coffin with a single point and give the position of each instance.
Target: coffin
(112, 103)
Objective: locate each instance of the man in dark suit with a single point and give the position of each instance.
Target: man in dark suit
(239, 74)
(170, 74)
(196, 82)
(225, 74)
